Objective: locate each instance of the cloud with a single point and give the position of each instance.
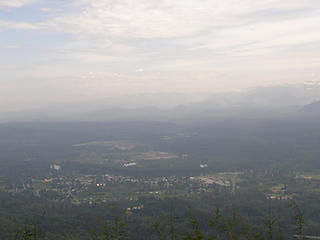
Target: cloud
(166, 18)
(11, 25)
(264, 37)
(10, 46)
(216, 23)
(228, 27)
(15, 3)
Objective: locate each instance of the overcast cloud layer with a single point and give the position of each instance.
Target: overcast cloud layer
(54, 50)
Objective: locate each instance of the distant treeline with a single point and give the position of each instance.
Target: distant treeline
(165, 227)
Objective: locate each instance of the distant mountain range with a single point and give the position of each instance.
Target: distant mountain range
(313, 107)
(262, 101)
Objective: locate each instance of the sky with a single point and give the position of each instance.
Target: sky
(69, 50)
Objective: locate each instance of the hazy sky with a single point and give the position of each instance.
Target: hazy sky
(63, 50)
